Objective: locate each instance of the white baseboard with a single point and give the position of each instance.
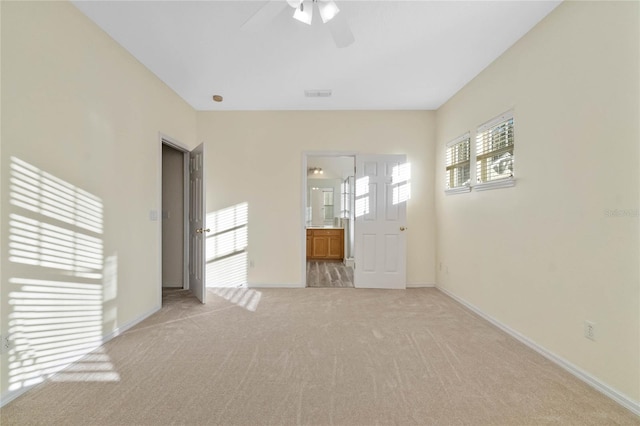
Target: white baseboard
(126, 326)
(9, 396)
(418, 285)
(620, 398)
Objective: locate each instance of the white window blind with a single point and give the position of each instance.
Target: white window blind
(494, 149)
(458, 162)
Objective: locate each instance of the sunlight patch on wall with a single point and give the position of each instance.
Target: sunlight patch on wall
(56, 288)
(401, 181)
(226, 246)
(230, 271)
(41, 192)
(37, 243)
(362, 196)
(110, 292)
(52, 324)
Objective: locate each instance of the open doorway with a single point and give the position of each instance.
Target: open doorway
(182, 231)
(328, 220)
(174, 213)
(173, 219)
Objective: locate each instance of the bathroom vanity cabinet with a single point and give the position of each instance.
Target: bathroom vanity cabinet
(325, 243)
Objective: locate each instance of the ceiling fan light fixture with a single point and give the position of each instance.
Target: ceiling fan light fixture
(304, 14)
(328, 10)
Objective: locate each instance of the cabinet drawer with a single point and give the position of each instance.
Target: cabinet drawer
(318, 232)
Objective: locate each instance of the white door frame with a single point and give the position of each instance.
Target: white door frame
(303, 207)
(178, 146)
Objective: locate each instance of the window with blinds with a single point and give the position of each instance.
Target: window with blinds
(494, 149)
(327, 194)
(458, 164)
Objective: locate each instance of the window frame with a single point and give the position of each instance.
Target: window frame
(501, 182)
(457, 141)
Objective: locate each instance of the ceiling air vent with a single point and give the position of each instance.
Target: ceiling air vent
(317, 93)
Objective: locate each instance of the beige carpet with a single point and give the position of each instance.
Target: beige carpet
(319, 357)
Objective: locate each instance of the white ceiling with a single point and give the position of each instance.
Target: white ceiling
(407, 55)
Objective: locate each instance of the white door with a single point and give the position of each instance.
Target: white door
(197, 231)
(382, 189)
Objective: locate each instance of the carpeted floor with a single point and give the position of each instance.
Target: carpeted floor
(318, 357)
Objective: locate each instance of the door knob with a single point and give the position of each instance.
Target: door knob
(200, 230)
(402, 228)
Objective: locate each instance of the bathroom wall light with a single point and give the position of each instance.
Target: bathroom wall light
(315, 171)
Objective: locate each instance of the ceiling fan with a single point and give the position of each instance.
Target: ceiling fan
(303, 12)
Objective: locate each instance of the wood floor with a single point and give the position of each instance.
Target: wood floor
(327, 273)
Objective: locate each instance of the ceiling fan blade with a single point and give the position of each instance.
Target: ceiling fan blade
(340, 31)
(264, 15)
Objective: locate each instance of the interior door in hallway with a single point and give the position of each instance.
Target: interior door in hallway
(197, 230)
(382, 189)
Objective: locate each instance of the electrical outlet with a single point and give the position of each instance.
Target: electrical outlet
(5, 344)
(590, 330)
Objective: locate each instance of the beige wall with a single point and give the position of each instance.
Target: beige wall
(244, 147)
(548, 254)
(172, 217)
(79, 109)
